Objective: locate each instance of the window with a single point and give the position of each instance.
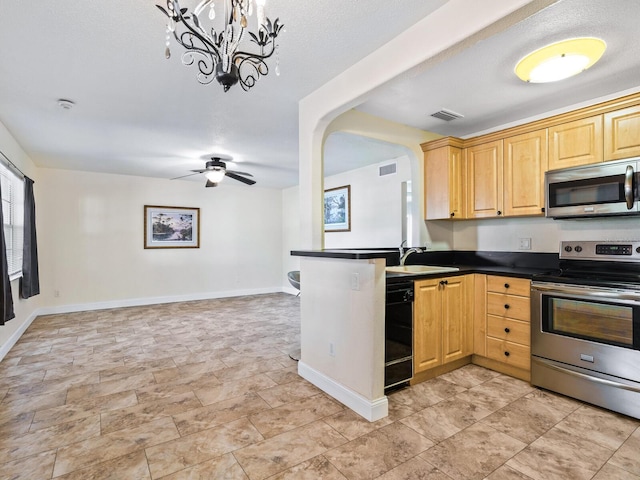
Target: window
(13, 215)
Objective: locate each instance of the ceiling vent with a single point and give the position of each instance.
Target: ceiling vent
(447, 115)
(389, 169)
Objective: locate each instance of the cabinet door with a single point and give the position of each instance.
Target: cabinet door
(456, 319)
(622, 133)
(525, 161)
(484, 180)
(444, 182)
(427, 324)
(576, 143)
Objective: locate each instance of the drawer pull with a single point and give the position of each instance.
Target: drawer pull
(506, 306)
(444, 282)
(506, 329)
(506, 354)
(506, 285)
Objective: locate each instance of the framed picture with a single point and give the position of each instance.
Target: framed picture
(337, 209)
(171, 227)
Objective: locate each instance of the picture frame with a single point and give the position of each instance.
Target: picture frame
(171, 227)
(337, 209)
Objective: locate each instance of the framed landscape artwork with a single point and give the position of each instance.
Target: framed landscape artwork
(171, 227)
(337, 209)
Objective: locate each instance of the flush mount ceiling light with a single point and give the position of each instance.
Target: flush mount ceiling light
(221, 55)
(560, 60)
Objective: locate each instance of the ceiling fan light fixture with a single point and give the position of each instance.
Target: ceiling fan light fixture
(560, 60)
(215, 176)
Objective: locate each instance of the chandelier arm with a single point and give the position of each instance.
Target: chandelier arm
(210, 47)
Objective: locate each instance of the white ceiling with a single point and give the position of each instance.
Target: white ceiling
(138, 114)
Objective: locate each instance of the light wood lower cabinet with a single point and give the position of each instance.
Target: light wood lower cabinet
(442, 321)
(507, 343)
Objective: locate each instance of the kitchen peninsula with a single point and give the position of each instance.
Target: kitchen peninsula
(342, 311)
(342, 330)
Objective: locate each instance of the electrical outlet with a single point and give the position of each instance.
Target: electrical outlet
(525, 244)
(332, 349)
(56, 293)
(355, 281)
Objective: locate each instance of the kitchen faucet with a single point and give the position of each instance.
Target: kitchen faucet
(401, 248)
(403, 258)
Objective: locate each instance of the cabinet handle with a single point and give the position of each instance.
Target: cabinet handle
(542, 209)
(506, 354)
(499, 212)
(506, 285)
(444, 282)
(507, 330)
(452, 214)
(506, 305)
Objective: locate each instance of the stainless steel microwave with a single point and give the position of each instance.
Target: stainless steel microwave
(598, 190)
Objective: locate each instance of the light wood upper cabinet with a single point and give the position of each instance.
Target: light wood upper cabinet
(484, 180)
(442, 321)
(444, 180)
(525, 161)
(576, 143)
(622, 133)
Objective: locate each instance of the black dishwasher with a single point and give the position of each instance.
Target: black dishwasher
(398, 351)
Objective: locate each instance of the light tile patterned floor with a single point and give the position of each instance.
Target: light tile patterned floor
(206, 390)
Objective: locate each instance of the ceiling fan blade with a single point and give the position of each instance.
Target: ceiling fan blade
(239, 178)
(240, 173)
(210, 184)
(189, 174)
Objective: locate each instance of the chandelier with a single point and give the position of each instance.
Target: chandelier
(218, 54)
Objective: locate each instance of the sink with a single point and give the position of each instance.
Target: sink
(413, 269)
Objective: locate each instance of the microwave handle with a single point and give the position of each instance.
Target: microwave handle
(628, 187)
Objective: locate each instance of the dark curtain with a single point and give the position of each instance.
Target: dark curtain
(7, 297)
(30, 281)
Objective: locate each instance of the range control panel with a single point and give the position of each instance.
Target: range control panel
(617, 251)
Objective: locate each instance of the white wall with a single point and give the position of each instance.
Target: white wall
(502, 234)
(25, 310)
(376, 206)
(290, 233)
(91, 241)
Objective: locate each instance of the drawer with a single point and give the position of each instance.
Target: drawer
(509, 306)
(510, 285)
(511, 330)
(509, 353)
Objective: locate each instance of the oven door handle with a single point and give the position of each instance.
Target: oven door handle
(584, 376)
(628, 187)
(585, 291)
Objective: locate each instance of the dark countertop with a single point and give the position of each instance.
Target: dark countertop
(353, 254)
(509, 264)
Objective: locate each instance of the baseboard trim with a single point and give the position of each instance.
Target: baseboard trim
(372, 410)
(13, 339)
(137, 302)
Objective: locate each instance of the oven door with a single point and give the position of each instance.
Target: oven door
(595, 328)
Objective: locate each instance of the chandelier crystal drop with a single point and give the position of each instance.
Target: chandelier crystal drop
(220, 55)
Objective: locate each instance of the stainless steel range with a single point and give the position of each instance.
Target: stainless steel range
(585, 325)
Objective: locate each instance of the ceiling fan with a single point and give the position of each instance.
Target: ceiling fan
(215, 170)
